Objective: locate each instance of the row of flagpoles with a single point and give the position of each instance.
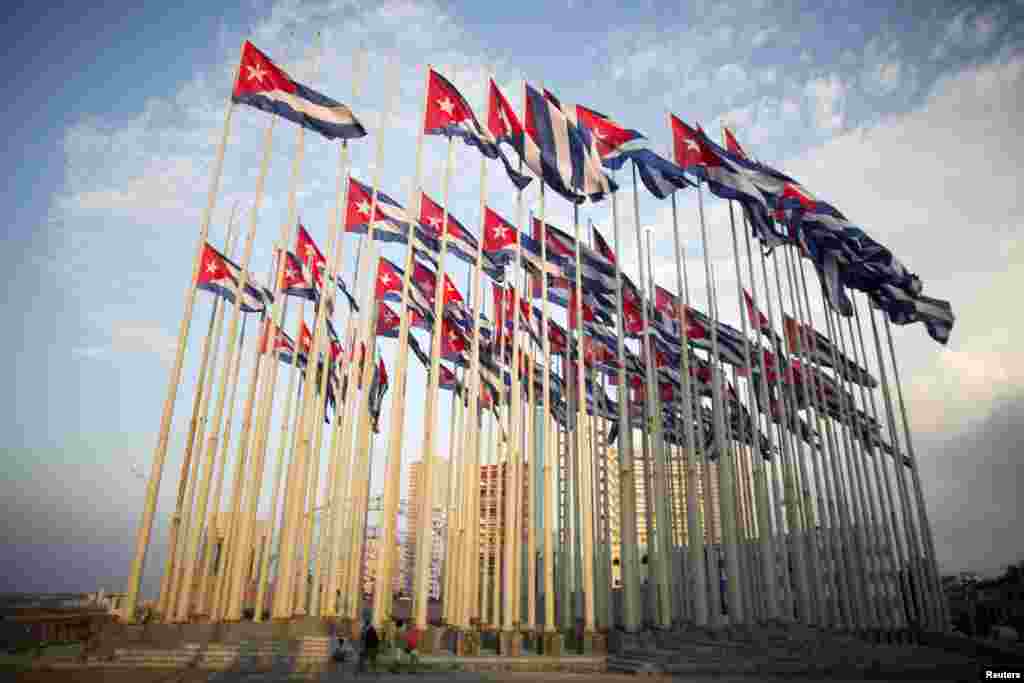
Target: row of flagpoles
(821, 519)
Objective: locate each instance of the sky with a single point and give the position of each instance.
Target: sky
(906, 116)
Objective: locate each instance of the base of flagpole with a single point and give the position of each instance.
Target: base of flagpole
(510, 644)
(595, 643)
(552, 644)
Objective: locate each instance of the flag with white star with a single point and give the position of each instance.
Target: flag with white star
(264, 85)
(448, 113)
(220, 275)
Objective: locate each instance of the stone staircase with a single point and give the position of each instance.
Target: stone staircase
(308, 654)
(790, 654)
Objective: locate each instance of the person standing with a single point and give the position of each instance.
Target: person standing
(371, 645)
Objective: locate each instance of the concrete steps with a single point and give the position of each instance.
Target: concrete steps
(307, 654)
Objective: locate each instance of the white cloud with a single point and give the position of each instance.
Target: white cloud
(827, 97)
(939, 187)
(143, 337)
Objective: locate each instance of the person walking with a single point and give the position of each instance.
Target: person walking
(371, 644)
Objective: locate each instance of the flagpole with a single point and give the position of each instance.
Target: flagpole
(534, 494)
(393, 467)
(264, 574)
(471, 434)
(725, 476)
(939, 606)
(877, 527)
(767, 549)
(327, 301)
(695, 539)
(215, 315)
(369, 335)
(774, 613)
(423, 537)
(842, 547)
(806, 566)
(628, 558)
(916, 595)
(914, 558)
(865, 533)
(343, 483)
(857, 574)
(901, 588)
(654, 467)
(184, 606)
(584, 459)
(169, 566)
(160, 453)
(175, 583)
(511, 639)
(787, 532)
(325, 304)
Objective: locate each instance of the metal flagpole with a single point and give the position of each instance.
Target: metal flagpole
(212, 444)
(725, 475)
(901, 584)
(629, 562)
(939, 606)
(657, 545)
(176, 580)
(790, 462)
(865, 528)
(770, 550)
(913, 568)
(878, 527)
(767, 548)
(695, 539)
(160, 453)
(843, 547)
(423, 538)
(216, 314)
(195, 535)
(584, 456)
(329, 297)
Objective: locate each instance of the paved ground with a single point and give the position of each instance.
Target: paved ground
(142, 676)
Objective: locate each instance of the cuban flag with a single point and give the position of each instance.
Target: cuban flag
(810, 343)
(904, 308)
(556, 151)
(284, 347)
(725, 177)
(500, 237)
(264, 85)
(390, 221)
(220, 275)
(388, 321)
(389, 281)
(616, 144)
(461, 242)
(448, 113)
(298, 280)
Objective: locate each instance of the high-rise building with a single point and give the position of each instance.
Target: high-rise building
(371, 552)
(439, 501)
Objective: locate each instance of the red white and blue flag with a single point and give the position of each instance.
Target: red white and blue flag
(448, 113)
(727, 176)
(298, 280)
(388, 321)
(461, 242)
(264, 85)
(219, 275)
(555, 150)
(310, 255)
(615, 144)
(500, 237)
(390, 221)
